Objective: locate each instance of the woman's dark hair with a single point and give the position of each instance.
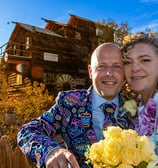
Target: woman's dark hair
(150, 38)
(147, 38)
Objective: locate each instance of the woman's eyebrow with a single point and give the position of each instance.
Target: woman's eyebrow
(145, 55)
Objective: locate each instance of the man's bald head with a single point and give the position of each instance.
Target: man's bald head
(106, 70)
(99, 49)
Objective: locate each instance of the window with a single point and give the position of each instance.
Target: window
(27, 42)
(98, 32)
(78, 36)
(21, 50)
(83, 50)
(14, 50)
(19, 79)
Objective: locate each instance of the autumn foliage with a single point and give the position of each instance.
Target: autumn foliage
(16, 111)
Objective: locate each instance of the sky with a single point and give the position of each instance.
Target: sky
(138, 14)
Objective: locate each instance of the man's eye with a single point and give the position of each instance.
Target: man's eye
(118, 66)
(101, 67)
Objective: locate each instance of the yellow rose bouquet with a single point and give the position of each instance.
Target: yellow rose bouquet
(122, 149)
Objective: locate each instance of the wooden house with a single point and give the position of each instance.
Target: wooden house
(56, 55)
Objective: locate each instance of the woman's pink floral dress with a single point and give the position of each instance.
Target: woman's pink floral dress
(145, 120)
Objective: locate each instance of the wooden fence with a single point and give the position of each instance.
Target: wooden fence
(16, 159)
(10, 158)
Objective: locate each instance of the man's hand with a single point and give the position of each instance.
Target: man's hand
(60, 158)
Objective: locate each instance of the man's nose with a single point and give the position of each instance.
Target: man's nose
(109, 71)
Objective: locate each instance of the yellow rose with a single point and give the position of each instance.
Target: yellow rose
(112, 152)
(95, 152)
(131, 156)
(124, 166)
(129, 138)
(131, 106)
(112, 131)
(97, 165)
(146, 148)
(130, 153)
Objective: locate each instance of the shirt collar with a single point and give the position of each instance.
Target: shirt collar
(97, 100)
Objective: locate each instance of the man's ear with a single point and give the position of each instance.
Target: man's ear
(90, 71)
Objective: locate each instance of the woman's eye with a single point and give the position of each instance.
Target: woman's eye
(127, 62)
(146, 60)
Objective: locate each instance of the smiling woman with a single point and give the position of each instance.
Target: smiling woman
(140, 55)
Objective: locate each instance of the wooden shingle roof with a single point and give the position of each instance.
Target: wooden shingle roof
(38, 29)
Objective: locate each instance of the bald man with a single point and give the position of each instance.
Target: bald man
(77, 115)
